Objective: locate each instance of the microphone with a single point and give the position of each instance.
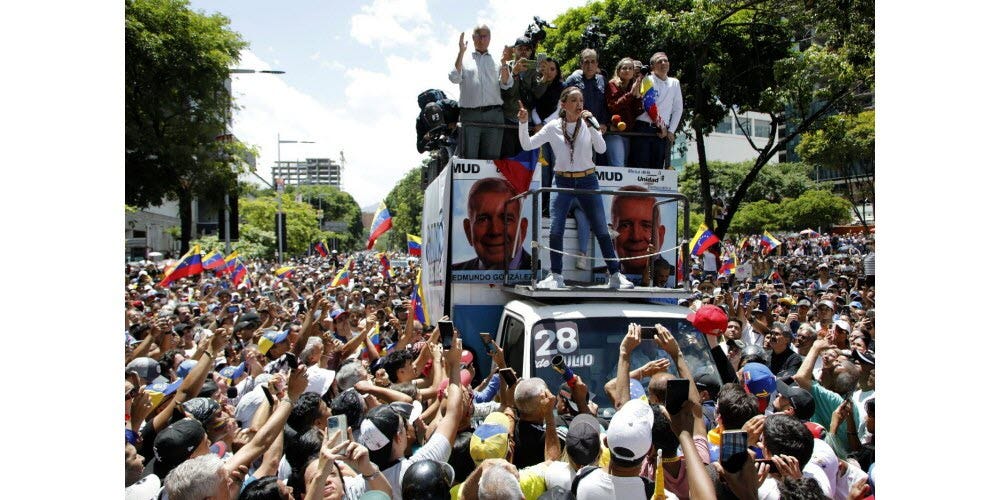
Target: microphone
(593, 122)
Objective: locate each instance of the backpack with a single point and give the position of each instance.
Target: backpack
(649, 485)
(430, 95)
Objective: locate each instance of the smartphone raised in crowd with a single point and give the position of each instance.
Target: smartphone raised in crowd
(447, 331)
(508, 376)
(677, 393)
(733, 452)
(487, 340)
(337, 423)
(647, 333)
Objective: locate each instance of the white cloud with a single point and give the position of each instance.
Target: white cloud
(382, 23)
(373, 121)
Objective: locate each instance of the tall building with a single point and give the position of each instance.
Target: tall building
(311, 171)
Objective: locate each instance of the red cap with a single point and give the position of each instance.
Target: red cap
(709, 319)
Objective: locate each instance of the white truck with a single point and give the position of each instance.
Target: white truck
(481, 259)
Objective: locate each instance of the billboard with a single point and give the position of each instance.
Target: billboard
(434, 255)
(478, 230)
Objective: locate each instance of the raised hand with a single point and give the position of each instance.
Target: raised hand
(522, 114)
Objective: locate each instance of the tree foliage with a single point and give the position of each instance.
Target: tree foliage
(784, 180)
(176, 105)
(794, 61)
(338, 206)
(846, 145)
(257, 214)
(406, 204)
(813, 209)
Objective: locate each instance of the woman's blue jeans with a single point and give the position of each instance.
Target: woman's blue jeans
(593, 208)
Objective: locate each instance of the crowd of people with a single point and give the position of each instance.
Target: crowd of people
(292, 387)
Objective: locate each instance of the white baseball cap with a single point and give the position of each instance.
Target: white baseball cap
(630, 432)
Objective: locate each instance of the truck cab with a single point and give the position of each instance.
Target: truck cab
(588, 335)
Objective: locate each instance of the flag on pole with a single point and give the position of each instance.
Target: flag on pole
(729, 263)
(189, 265)
(212, 261)
(384, 264)
(239, 272)
(228, 266)
(519, 169)
(342, 278)
(417, 300)
(769, 242)
(284, 271)
(380, 224)
(703, 239)
(414, 244)
(321, 249)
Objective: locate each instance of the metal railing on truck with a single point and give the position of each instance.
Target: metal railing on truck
(536, 246)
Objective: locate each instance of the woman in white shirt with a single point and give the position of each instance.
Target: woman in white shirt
(573, 143)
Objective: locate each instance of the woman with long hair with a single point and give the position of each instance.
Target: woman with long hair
(622, 101)
(574, 143)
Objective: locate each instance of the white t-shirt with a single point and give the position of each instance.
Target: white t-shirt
(437, 448)
(859, 397)
(599, 485)
(845, 482)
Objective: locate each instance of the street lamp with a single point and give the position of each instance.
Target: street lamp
(280, 185)
(229, 136)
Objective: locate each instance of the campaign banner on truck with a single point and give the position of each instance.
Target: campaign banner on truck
(481, 224)
(434, 254)
(635, 226)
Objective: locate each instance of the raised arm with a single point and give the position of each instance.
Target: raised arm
(629, 342)
(297, 382)
(804, 377)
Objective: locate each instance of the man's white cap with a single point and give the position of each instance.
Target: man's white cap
(630, 432)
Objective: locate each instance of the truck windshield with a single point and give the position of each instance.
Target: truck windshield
(590, 348)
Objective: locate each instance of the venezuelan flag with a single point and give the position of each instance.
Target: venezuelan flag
(649, 95)
(680, 267)
(417, 301)
(414, 244)
(229, 266)
(342, 278)
(321, 249)
(769, 242)
(703, 239)
(384, 264)
(239, 272)
(212, 261)
(159, 391)
(728, 265)
(189, 265)
(519, 169)
(284, 271)
(380, 224)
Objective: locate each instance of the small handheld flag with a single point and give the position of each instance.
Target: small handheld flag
(519, 169)
(703, 239)
(380, 224)
(321, 249)
(189, 265)
(414, 245)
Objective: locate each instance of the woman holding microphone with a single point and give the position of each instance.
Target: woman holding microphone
(574, 139)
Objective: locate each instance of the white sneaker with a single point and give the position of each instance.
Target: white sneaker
(582, 262)
(618, 280)
(553, 281)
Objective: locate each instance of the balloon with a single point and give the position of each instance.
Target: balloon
(621, 125)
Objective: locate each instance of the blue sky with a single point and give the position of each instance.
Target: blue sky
(353, 71)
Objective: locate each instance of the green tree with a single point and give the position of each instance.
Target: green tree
(816, 209)
(338, 206)
(784, 180)
(176, 105)
(302, 224)
(732, 56)
(406, 204)
(757, 216)
(846, 145)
